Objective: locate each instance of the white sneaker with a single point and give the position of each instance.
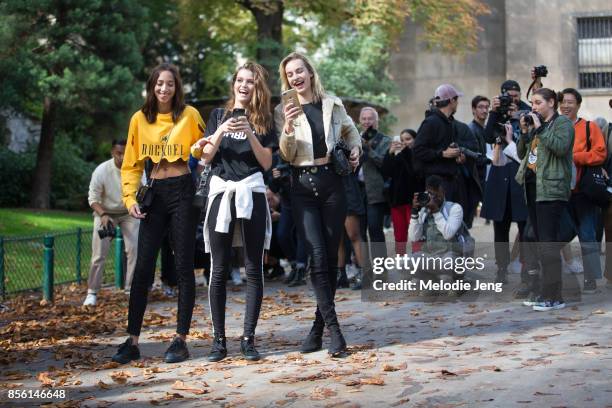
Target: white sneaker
(236, 279)
(90, 300)
(573, 267)
(515, 266)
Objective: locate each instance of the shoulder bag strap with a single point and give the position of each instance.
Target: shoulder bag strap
(156, 168)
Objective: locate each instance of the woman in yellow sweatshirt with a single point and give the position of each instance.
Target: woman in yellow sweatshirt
(162, 131)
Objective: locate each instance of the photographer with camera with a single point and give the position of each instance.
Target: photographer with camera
(504, 199)
(375, 145)
(435, 221)
(405, 181)
(109, 212)
(435, 150)
(545, 148)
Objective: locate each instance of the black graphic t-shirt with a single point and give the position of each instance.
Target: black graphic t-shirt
(314, 114)
(235, 157)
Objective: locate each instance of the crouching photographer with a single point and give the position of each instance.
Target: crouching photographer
(437, 223)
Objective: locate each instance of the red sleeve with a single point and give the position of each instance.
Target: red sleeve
(598, 153)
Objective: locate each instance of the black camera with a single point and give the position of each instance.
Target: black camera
(478, 157)
(529, 119)
(423, 198)
(540, 71)
(505, 101)
(107, 231)
(284, 169)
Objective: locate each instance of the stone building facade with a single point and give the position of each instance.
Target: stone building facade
(572, 38)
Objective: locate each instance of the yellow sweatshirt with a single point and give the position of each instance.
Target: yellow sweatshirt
(148, 139)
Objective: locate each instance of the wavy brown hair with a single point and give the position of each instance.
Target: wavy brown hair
(150, 108)
(259, 110)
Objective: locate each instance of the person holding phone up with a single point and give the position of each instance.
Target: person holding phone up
(241, 140)
(308, 134)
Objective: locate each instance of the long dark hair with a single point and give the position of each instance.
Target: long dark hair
(149, 108)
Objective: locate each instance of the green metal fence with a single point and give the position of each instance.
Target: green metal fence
(41, 261)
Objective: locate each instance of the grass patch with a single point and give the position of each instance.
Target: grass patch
(23, 231)
(23, 221)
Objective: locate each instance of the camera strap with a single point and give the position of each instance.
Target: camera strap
(156, 168)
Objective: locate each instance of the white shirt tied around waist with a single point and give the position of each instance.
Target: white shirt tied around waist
(243, 191)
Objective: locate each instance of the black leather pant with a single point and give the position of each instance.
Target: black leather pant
(253, 237)
(319, 209)
(171, 210)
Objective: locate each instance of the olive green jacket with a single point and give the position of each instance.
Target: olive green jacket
(554, 161)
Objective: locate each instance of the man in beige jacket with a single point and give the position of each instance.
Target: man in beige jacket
(108, 210)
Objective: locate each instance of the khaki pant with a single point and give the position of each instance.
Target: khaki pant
(100, 247)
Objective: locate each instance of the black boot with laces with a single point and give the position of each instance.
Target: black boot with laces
(177, 351)
(127, 352)
(219, 349)
(247, 348)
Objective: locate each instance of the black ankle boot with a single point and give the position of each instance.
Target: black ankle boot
(219, 349)
(299, 278)
(247, 348)
(126, 353)
(314, 341)
(177, 351)
(501, 276)
(343, 281)
(337, 344)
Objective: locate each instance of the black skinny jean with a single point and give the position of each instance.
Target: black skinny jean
(319, 210)
(501, 234)
(253, 239)
(171, 210)
(544, 217)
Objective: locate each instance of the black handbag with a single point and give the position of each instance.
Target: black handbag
(593, 182)
(340, 152)
(200, 199)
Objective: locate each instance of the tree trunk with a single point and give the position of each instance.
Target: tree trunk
(269, 39)
(41, 183)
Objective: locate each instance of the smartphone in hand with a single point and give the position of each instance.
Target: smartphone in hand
(238, 112)
(291, 96)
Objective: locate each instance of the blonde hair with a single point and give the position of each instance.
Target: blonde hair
(315, 83)
(259, 110)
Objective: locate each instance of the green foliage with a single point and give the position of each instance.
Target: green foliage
(357, 67)
(15, 177)
(70, 177)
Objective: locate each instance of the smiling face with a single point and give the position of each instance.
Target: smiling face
(299, 77)
(165, 88)
(570, 106)
(368, 119)
(407, 140)
(244, 87)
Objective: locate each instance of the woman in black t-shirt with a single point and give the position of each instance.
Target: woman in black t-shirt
(241, 140)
